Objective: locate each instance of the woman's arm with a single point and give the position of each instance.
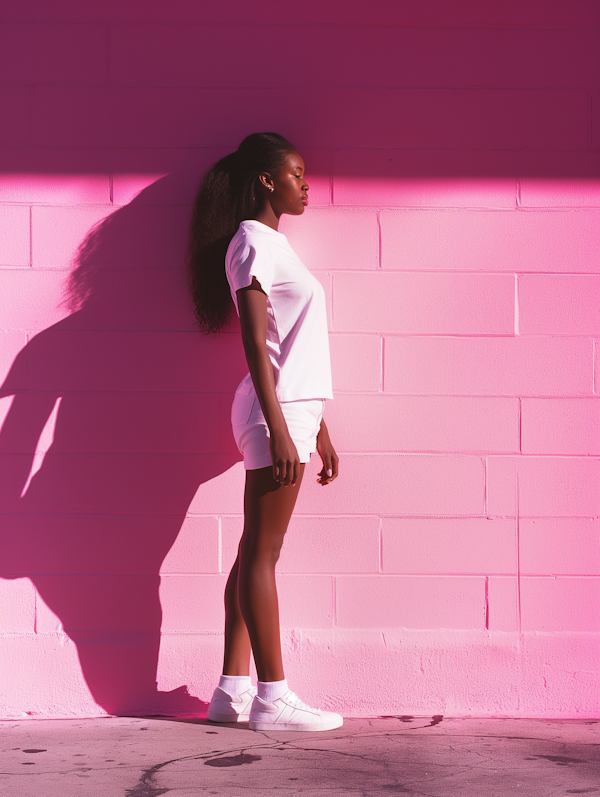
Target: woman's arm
(21, 431)
(252, 305)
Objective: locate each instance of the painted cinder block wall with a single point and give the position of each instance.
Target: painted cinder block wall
(453, 155)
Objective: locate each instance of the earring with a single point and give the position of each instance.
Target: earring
(271, 188)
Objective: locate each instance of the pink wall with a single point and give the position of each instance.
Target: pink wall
(454, 155)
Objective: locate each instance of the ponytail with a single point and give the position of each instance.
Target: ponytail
(227, 196)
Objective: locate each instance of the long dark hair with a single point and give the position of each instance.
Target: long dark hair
(227, 196)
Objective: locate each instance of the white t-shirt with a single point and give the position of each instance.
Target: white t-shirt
(297, 339)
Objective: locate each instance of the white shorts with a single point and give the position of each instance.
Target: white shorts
(251, 432)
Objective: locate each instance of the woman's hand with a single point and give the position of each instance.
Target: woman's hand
(328, 456)
(286, 462)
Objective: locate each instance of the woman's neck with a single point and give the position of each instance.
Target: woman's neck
(267, 216)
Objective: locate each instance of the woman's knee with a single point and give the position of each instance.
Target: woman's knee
(256, 547)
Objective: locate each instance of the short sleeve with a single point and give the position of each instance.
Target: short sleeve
(250, 259)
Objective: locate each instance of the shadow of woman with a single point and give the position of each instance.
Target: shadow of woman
(143, 403)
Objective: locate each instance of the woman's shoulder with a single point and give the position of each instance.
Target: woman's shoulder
(248, 243)
(255, 236)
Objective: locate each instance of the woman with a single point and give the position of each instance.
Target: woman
(237, 252)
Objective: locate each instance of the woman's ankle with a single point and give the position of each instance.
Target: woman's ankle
(270, 691)
(235, 684)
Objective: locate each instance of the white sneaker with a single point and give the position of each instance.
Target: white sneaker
(289, 713)
(230, 708)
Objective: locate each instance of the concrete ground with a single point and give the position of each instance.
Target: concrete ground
(424, 756)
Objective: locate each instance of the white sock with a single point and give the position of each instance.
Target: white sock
(235, 684)
(269, 691)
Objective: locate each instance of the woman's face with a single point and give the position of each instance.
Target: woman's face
(290, 189)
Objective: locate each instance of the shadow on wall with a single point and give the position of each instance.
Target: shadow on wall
(143, 404)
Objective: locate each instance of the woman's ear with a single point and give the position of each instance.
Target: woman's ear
(266, 180)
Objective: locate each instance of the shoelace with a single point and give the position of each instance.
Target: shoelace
(293, 698)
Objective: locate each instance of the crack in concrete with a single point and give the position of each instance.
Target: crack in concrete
(435, 720)
(146, 785)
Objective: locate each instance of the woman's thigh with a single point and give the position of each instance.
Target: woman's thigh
(268, 507)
